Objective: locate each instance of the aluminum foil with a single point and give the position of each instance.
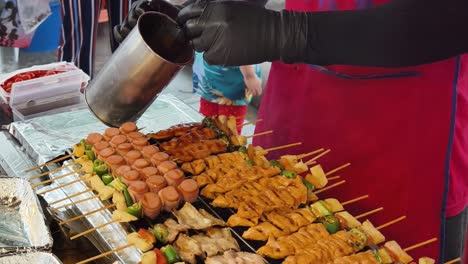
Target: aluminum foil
(32, 257)
(44, 138)
(105, 238)
(22, 225)
(13, 159)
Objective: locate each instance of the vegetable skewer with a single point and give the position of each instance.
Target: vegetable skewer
(56, 178)
(86, 214)
(105, 254)
(51, 171)
(50, 162)
(69, 197)
(74, 203)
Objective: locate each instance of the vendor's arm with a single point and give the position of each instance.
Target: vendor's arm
(401, 33)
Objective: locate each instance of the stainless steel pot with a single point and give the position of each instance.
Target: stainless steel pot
(143, 65)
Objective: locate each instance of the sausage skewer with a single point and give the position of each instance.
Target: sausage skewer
(50, 162)
(56, 178)
(88, 213)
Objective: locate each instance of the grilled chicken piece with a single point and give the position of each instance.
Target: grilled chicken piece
(174, 229)
(216, 241)
(188, 215)
(188, 248)
(363, 258)
(292, 244)
(232, 257)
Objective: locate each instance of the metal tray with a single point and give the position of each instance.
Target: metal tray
(32, 257)
(22, 224)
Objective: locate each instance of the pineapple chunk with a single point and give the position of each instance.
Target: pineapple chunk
(138, 242)
(317, 177)
(300, 167)
(96, 183)
(106, 192)
(350, 221)
(394, 248)
(232, 126)
(333, 205)
(238, 140)
(119, 200)
(149, 258)
(123, 217)
(78, 150)
(426, 260)
(87, 166)
(372, 232)
(87, 178)
(82, 159)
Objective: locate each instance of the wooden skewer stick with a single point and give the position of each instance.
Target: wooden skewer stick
(284, 146)
(453, 261)
(138, 130)
(56, 178)
(355, 200)
(369, 213)
(104, 254)
(334, 178)
(260, 134)
(250, 123)
(308, 163)
(71, 196)
(50, 162)
(88, 213)
(77, 202)
(305, 155)
(337, 169)
(93, 229)
(330, 187)
(420, 244)
(392, 222)
(244, 117)
(60, 186)
(54, 170)
(311, 161)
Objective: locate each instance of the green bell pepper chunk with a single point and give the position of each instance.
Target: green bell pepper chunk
(160, 232)
(276, 163)
(289, 174)
(135, 210)
(128, 197)
(101, 169)
(331, 223)
(362, 242)
(377, 256)
(320, 209)
(107, 178)
(310, 189)
(118, 184)
(250, 162)
(97, 162)
(170, 253)
(243, 149)
(86, 145)
(90, 155)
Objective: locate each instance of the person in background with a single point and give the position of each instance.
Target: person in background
(80, 19)
(225, 90)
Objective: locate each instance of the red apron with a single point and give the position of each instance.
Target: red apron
(396, 127)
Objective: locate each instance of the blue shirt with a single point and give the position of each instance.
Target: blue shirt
(221, 85)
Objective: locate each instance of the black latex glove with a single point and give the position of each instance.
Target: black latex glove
(120, 32)
(235, 33)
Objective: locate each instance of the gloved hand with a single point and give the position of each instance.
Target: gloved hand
(120, 32)
(233, 33)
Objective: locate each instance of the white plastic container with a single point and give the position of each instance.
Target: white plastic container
(42, 83)
(46, 95)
